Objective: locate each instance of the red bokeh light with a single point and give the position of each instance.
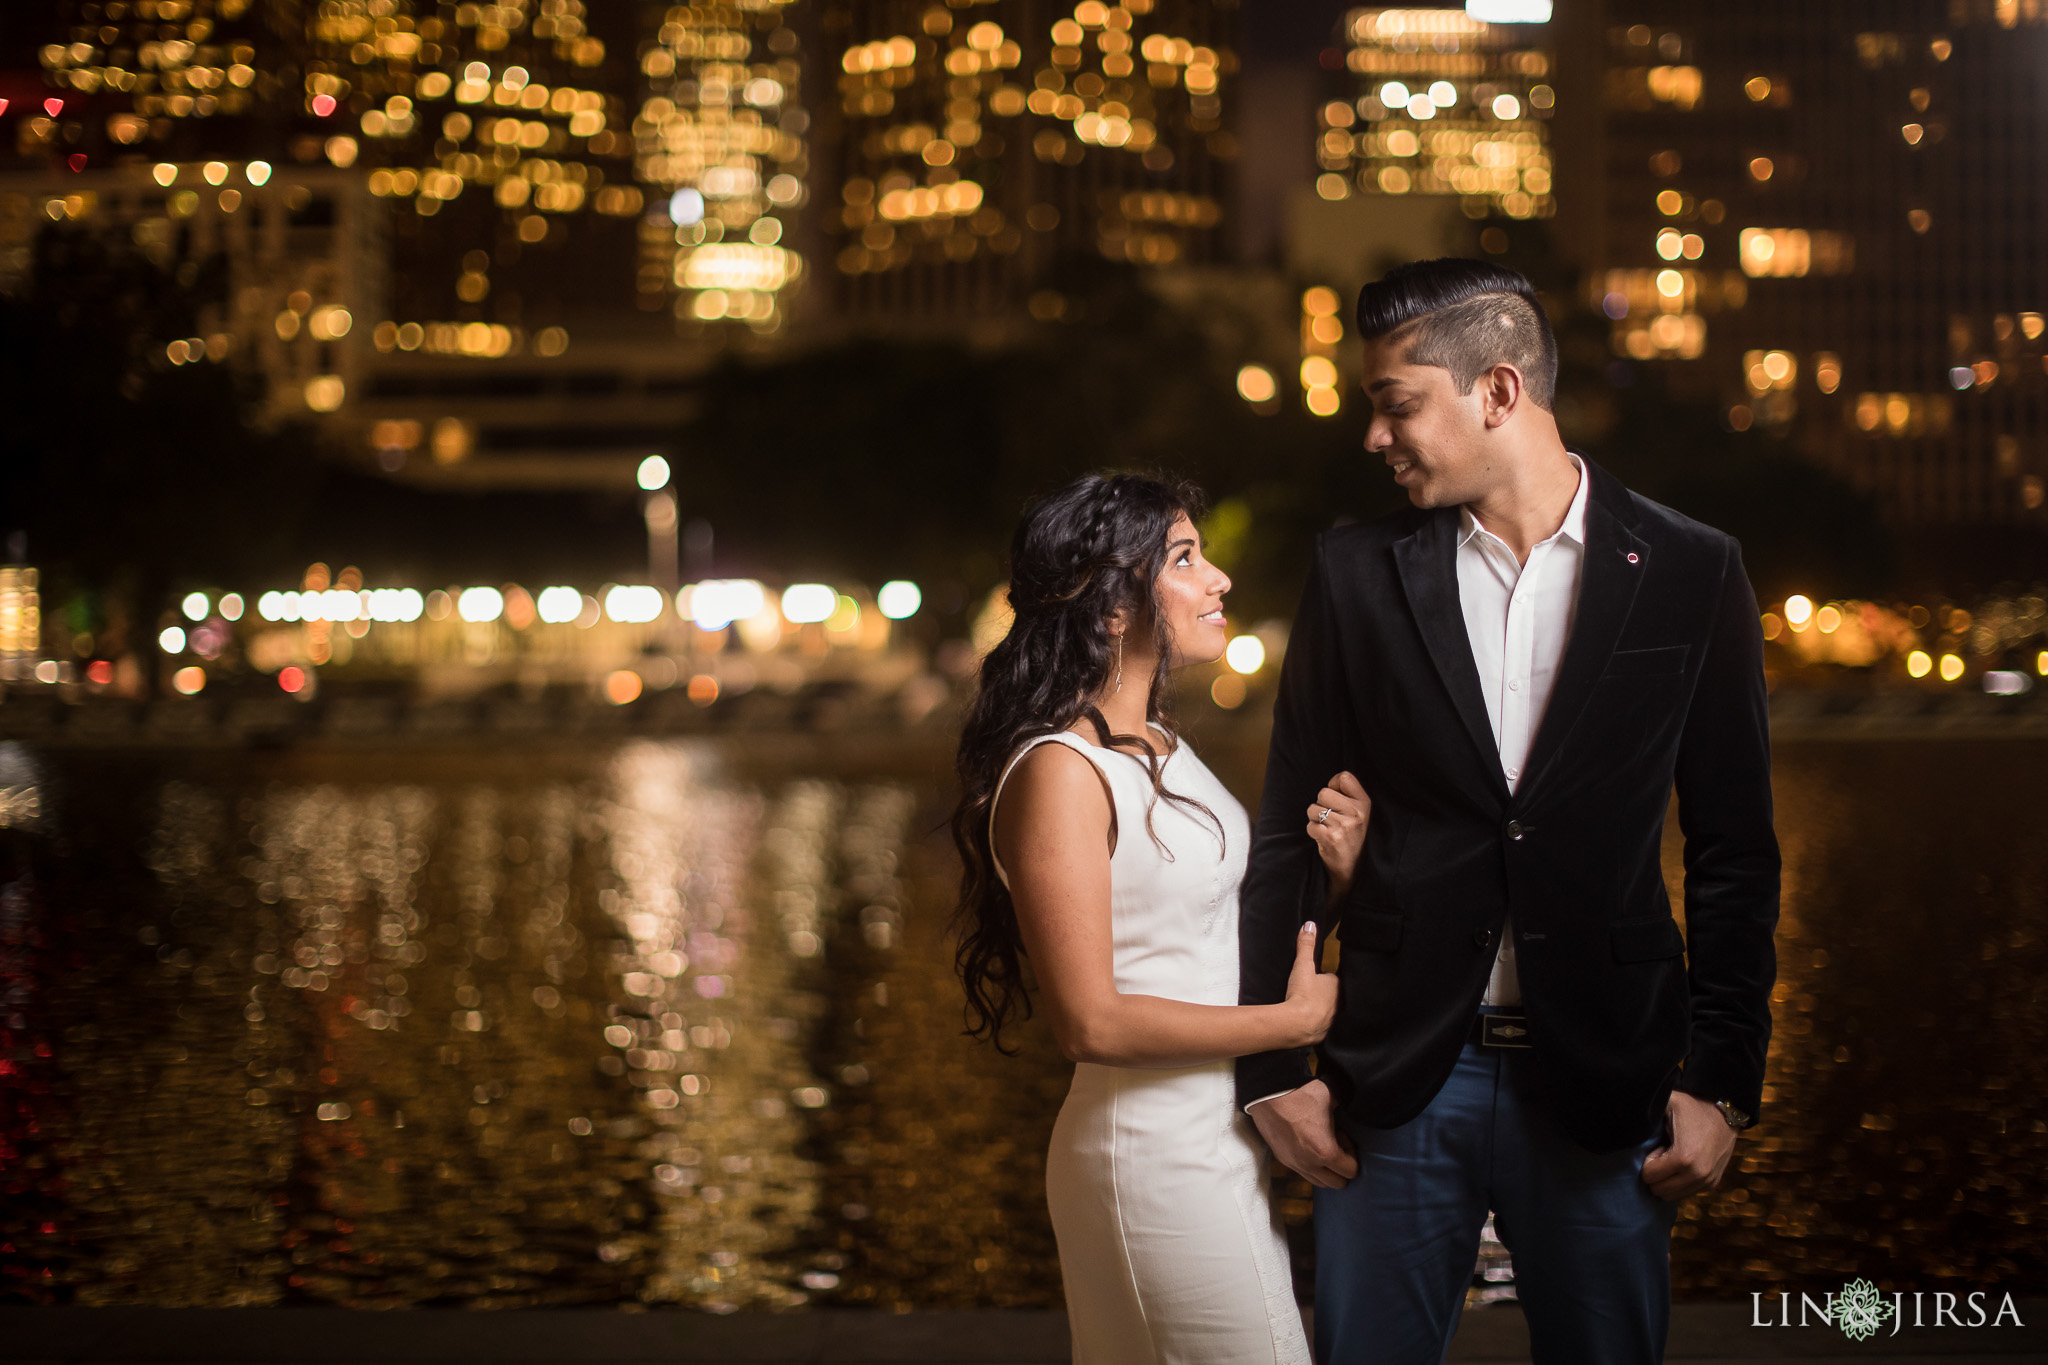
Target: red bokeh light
(3, 106)
(291, 678)
(53, 107)
(76, 161)
(100, 671)
(323, 105)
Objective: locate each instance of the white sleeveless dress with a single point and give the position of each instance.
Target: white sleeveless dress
(1169, 1246)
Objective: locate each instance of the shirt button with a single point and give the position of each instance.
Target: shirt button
(1514, 684)
(1514, 772)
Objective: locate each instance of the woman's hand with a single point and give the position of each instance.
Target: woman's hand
(1337, 823)
(1310, 992)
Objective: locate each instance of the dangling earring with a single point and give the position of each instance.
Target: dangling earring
(1119, 663)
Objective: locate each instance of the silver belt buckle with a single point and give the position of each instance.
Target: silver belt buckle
(1503, 1030)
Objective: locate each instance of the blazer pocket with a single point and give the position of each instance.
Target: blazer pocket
(1638, 663)
(1646, 940)
(1371, 931)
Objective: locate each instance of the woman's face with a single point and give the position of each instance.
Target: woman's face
(1190, 596)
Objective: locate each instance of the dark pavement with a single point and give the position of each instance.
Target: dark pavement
(1701, 1334)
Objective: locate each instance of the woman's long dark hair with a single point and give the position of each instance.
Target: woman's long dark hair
(1081, 556)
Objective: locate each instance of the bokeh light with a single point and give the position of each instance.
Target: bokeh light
(559, 606)
(633, 604)
(809, 603)
(718, 602)
(1245, 654)
(478, 605)
(899, 599)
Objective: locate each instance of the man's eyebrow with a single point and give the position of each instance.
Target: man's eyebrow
(1379, 384)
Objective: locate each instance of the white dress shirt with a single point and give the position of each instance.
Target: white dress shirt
(1518, 617)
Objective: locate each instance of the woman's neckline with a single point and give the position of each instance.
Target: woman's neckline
(1171, 747)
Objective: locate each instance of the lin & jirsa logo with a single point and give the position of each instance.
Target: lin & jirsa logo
(1861, 1310)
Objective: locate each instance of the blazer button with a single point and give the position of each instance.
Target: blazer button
(1482, 938)
(1515, 830)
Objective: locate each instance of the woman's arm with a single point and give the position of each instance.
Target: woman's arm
(1052, 827)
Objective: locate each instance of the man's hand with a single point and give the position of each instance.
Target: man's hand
(1697, 1157)
(1301, 1129)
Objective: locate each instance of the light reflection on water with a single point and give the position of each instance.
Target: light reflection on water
(526, 1042)
(642, 1027)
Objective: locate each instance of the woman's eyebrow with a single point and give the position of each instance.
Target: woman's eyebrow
(1179, 544)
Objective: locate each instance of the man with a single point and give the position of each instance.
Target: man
(1519, 670)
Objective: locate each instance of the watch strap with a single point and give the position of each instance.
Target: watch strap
(1735, 1117)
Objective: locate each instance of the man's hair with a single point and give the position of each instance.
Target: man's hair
(1466, 317)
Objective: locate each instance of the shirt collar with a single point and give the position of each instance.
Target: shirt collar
(1573, 527)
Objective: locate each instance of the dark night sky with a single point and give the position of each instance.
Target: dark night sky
(1289, 30)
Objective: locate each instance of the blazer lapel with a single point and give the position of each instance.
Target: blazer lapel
(1428, 564)
(1616, 560)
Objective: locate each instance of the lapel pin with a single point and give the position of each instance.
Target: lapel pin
(1633, 557)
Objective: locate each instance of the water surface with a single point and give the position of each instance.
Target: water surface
(672, 1023)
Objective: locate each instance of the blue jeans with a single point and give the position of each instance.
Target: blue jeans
(1395, 1248)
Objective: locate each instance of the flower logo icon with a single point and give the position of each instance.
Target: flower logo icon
(1859, 1310)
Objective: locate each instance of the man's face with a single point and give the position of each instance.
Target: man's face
(1430, 435)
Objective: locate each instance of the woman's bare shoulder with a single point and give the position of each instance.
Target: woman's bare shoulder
(1054, 771)
(1056, 788)
(1055, 794)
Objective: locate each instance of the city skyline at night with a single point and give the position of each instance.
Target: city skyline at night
(1847, 212)
(505, 246)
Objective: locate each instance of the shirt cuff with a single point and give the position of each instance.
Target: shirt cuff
(1277, 1094)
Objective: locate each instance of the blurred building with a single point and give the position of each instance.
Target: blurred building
(1441, 103)
(448, 230)
(500, 245)
(979, 141)
(721, 135)
(1827, 216)
(1429, 117)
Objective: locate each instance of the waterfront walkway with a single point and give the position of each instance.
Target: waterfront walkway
(1702, 1334)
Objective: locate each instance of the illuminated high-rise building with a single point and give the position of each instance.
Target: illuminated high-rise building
(1825, 216)
(1441, 104)
(721, 137)
(979, 140)
(432, 212)
(1427, 117)
(499, 136)
(164, 76)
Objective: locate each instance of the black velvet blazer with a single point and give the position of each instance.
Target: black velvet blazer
(1661, 685)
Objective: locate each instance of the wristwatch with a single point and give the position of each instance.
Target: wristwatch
(1736, 1118)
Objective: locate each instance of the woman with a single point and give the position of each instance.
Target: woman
(1100, 847)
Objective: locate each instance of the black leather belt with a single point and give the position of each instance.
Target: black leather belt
(1499, 1030)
